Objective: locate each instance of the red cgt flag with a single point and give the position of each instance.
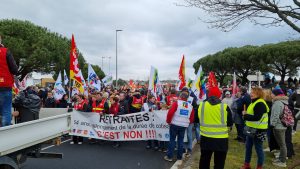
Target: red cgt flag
(212, 85)
(182, 74)
(74, 66)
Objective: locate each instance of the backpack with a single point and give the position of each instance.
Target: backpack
(286, 117)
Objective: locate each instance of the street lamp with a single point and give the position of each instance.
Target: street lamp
(109, 64)
(118, 30)
(102, 63)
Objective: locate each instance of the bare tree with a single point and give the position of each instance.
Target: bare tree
(228, 14)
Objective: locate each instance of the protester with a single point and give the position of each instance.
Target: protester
(214, 117)
(151, 106)
(243, 104)
(172, 97)
(228, 99)
(294, 101)
(279, 99)
(123, 104)
(135, 102)
(256, 118)
(114, 108)
(80, 105)
(192, 100)
(180, 115)
(27, 104)
(8, 68)
(237, 117)
(98, 104)
(50, 101)
(272, 143)
(63, 102)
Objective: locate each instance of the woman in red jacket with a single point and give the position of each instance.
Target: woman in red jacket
(80, 105)
(114, 108)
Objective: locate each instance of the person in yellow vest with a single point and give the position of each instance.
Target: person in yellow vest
(256, 118)
(214, 118)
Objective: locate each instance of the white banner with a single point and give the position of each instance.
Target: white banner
(137, 126)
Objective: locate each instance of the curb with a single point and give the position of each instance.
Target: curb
(178, 163)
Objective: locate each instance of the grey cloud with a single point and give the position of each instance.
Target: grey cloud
(155, 32)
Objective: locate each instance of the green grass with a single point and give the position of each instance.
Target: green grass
(235, 156)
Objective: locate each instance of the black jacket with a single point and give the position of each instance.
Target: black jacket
(295, 97)
(123, 107)
(28, 104)
(50, 103)
(62, 103)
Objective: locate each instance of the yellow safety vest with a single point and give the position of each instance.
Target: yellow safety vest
(213, 120)
(263, 122)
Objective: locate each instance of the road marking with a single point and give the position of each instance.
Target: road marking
(45, 148)
(178, 163)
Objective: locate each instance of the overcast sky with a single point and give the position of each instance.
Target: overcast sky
(156, 32)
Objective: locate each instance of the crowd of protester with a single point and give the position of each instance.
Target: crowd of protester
(126, 101)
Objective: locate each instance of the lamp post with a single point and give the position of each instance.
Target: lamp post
(109, 64)
(118, 30)
(102, 63)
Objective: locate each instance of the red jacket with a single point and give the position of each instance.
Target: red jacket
(6, 78)
(114, 109)
(171, 99)
(80, 106)
(172, 111)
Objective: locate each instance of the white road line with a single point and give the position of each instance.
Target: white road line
(45, 148)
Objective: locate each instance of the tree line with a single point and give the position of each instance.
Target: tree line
(281, 59)
(36, 48)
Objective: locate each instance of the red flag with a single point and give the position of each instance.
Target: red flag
(74, 66)
(182, 74)
(212, 85)
(234, 85)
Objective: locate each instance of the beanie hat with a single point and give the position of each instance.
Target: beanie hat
(214, 91)
(277, 92)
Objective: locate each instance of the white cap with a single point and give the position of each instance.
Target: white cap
(227, 92)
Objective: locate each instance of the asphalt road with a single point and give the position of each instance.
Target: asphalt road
(131, 155)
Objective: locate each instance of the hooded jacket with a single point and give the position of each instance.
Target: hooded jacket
(28, 104)
(277, 110)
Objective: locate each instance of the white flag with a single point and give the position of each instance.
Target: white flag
(199, 86)
(74, 89)
(23, 83)
(93, 79)
(66, 79)
(84, 84)
(154, 83)
(107, 80)
(59, 91)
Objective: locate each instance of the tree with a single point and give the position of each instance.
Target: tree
(216, 63)
(245, 61)
(228, 14)
(37, 49)
(282, 58)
